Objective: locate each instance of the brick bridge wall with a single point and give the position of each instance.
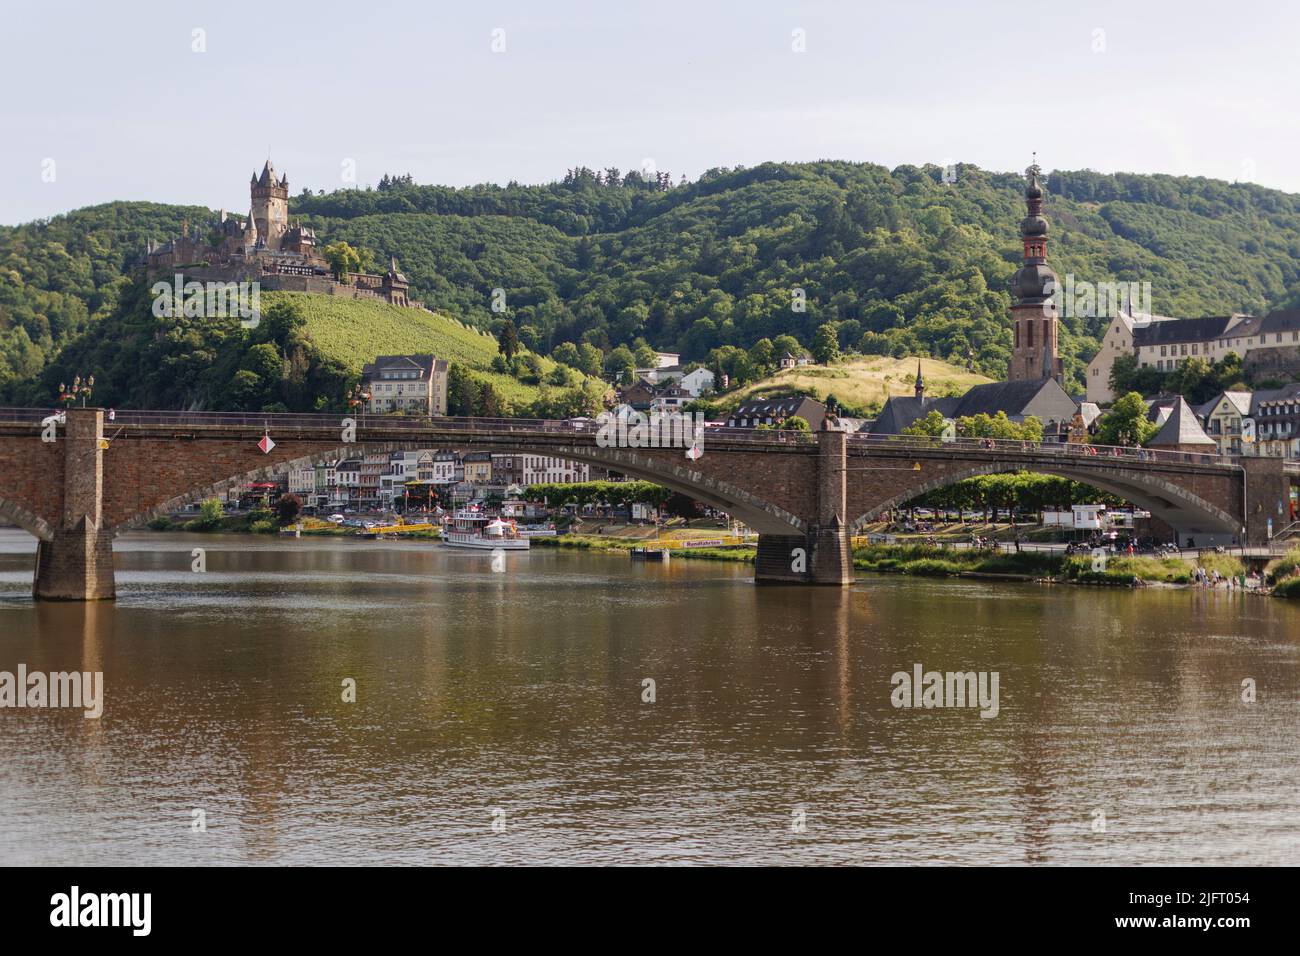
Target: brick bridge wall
(148, 469)
(152, 469)
(797, 491)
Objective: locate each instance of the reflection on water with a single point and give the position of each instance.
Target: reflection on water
(522, 692)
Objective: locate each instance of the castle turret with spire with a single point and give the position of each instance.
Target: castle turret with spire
(250, 231)
(1035, 348)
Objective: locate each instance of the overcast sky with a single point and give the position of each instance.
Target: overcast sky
(116, 96)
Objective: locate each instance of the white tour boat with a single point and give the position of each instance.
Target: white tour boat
(474, 529)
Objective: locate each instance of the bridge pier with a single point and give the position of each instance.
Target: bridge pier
(824, 555)
(76, 563)
(1268, 491)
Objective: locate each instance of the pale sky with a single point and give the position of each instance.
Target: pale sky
(116, 96)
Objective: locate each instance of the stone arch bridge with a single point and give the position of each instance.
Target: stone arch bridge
(76, 481)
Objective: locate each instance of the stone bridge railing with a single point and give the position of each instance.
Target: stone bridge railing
(974, 447)
(959, 447)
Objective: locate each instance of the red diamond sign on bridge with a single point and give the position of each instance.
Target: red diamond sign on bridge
(266, 444)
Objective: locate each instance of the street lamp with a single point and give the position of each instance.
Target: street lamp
(79, 389)
(358, 397)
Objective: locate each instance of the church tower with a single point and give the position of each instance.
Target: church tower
(270, 205)
(1034, 323)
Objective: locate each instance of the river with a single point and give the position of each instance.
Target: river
(502, 717)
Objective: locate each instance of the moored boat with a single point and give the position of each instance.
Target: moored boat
(475, 529)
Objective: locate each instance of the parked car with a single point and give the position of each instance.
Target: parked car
(336, 519)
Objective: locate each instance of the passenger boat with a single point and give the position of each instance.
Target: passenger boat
(474, 529)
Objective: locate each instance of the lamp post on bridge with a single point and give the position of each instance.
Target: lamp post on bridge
(79, 389)
(358, 399)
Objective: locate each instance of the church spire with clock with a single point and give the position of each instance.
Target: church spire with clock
(1035, 350)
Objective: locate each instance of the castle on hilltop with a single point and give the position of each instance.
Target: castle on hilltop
(266, 249)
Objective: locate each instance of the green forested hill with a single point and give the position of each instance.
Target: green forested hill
(304, 355)
(903, 262)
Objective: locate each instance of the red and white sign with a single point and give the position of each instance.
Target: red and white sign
(266, 444)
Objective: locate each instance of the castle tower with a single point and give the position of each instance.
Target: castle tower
(1034, 353)
(270, 205)
(395, 287)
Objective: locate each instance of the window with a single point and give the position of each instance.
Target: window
(1163, 353)
(1196, 349)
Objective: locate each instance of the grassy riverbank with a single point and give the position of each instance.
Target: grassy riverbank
(934, 561)
(1284, 574)
(929, 560)
(258, 521)
(589, 542)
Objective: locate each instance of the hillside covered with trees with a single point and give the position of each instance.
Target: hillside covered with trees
(305, 354)
(843, 257)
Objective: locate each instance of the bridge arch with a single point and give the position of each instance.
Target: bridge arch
(31, 523)
(1179, 508)
(750, 508)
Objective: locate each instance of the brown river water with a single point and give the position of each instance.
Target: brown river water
(501, 717)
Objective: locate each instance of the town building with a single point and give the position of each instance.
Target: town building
(699, 381)
(791, 360)
(324, 478)
(1222, 418)
(1269, 346)
(508, 469)
(447, 468)
(302, 480)
(666, 389)
(409, 384)
(774, 411)
(1182, 431)
(478, 467)
(638, 395)
(346, 487)
(543, 470)
(1276, 416)
(373, 466)
(670, 398)
(1041, 398)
